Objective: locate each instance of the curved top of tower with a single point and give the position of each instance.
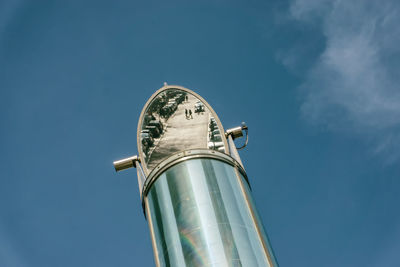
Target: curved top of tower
(175, 119)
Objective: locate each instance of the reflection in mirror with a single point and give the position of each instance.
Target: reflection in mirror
(174, 121)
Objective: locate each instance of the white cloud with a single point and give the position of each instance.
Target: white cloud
(355, 83)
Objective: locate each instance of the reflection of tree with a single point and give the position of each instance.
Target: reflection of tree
(182, 133)
(160, 109)
(158, 103)
(161, 104)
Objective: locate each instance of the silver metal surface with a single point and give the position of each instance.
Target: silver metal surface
(140, 176)
(180, 134)
(200, 213)
(194, 190)
(233, 151)
(235, 132)
(126, 163)
(186, 155)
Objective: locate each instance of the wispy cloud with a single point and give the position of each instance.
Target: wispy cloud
(354, 85)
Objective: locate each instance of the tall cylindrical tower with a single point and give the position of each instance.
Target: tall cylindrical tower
(194, 189)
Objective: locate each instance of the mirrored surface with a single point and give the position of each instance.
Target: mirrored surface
(201, 214)
(176, 120)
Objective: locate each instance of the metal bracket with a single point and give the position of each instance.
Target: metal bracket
(126, 163)
(130, 162)
(237, 132)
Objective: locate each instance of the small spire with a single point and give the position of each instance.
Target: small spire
(165, 83)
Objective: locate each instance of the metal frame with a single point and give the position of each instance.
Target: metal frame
(205, 153)
(164, 88)
(256, 222)
(187, 155)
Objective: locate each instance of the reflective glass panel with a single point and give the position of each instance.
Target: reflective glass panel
(176, 120)
(202, 215)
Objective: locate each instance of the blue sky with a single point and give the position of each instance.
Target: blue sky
(316, 81)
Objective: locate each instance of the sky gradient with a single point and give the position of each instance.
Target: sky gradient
(317, 82)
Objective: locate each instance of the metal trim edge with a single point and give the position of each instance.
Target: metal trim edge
(183, 156)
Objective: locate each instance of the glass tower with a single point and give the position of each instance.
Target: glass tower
(194, 189)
